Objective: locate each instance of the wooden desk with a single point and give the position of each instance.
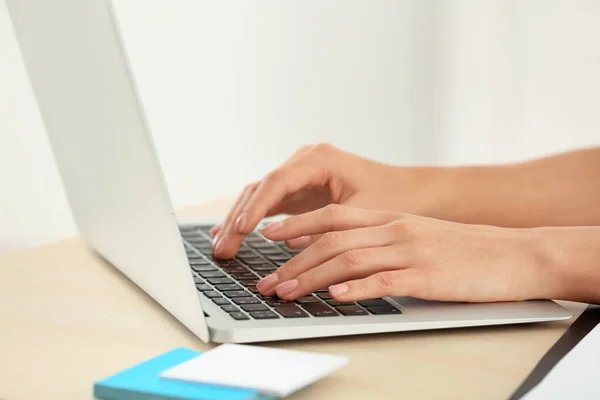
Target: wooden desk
(67, 319)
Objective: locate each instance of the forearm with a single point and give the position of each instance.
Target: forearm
(561, 190)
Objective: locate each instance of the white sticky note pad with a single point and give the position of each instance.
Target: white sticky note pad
(575, 376)
(271, 371)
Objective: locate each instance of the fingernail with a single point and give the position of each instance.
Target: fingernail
(240, 222)
(286, 287)
(215, 242)
(219, 247)
(301, 241)
(215, 229)
(339, 290)
(272, 227)
(267, 282)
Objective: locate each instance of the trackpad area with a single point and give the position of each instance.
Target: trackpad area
(531, 309)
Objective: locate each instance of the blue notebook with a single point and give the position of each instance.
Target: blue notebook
(142, 382)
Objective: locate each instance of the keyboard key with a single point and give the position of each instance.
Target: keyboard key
(243, 275)
(247, 255)
(236, 293)
(257, 261)
(225, 288)
(202, 246)
(255, 237)
(230, 308)
(196, 238)
(291, 312)
(212, 294)
(273, 251)
(351, 310)
(274, 301)
(249, 282)
(198, 280)
(262, 267)
(261, 246)
(252, 288)
(263, 315)
(198, 261)
(279, 257)
(374, 303)
(335, 303)
(254, 307)
(307, 299)
(220, 281)
(235, 269)
(246, 300)
(320, 310)
(260, 243)
(239, 316)
(221, 301)
(212, 274)
(228, 263)
(324, 295)
(196, 256)
(204, 287)
(381, 310)
(262, 274)
(203, 268)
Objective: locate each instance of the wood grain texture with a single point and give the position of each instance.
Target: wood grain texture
(67, 318)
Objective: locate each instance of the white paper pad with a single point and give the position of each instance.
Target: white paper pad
(576, 376)
(270, 371)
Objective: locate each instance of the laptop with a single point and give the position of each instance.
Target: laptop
(95, 122)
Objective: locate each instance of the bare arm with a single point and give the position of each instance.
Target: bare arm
(560, 190)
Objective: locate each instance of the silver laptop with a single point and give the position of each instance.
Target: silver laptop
(100, 138)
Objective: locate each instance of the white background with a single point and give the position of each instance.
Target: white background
(231, 88)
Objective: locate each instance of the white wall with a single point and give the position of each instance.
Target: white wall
(231, 88)
(33, 209)
(516, 79)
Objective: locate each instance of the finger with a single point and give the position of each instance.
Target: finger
(353, 264)
(327, 247)
(231, 233)
(405, 282)
(302, 242)
(228, 217)
(308, 170)
(229, 240)
(215, 230)
(331, 218)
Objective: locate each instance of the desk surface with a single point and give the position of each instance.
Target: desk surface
(67, 319)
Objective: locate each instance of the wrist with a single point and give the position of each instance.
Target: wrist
(468, 194)
(570, 262)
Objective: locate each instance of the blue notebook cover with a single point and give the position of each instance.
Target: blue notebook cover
(142, 382)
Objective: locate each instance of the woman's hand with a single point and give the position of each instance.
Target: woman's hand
(362, 254)
(322, 174)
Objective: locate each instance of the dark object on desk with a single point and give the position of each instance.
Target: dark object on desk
(577, 331)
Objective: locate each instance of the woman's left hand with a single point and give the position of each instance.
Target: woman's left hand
(362, 254)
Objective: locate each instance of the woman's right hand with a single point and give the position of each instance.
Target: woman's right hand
(318, 175)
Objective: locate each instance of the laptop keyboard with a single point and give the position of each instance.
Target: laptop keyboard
(231, 284)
